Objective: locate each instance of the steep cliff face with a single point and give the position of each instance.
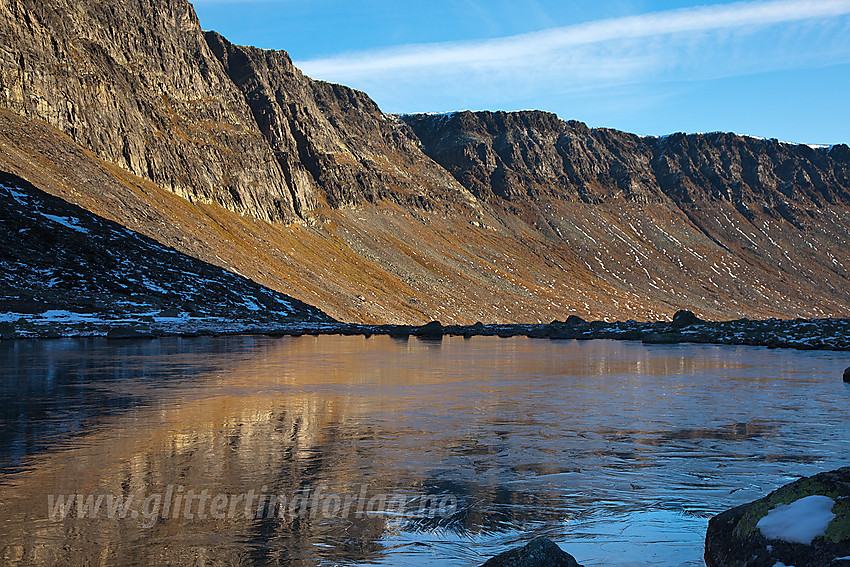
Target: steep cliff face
(136, 83)
(518, 155)
(720, 220)
(334, 143)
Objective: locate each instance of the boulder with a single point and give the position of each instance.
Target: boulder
(539, 552)
(399, 332)
(847, 375)
(432, 330)
(684, 318)
(575, 321)
(805, 523)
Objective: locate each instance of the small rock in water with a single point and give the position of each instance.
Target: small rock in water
(847, 375)
(540, 552)
(7, 331)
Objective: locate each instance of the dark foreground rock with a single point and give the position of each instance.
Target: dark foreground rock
(734, 538)
(539, 552)
(847, 375)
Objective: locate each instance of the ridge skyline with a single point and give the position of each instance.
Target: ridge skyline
(770, 69)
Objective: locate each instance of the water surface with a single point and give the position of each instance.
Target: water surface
(618, 451)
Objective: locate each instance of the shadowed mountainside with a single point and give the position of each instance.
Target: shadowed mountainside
(65, 267)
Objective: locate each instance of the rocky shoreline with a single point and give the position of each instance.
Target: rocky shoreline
(801, 334)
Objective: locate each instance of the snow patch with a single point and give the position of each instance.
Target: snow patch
(66, 221)
(799, 522)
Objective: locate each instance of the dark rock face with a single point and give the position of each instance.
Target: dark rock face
(734, 539)
(518, 155)
(65, 269)
(540, 552)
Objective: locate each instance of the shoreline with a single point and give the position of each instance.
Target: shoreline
(800, 334)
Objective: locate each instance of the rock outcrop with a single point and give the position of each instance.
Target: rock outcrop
(333, 142)
(539, 552)
(736, 537)
(137, 84)
(521, 155)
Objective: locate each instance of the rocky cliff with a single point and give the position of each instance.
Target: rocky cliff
(230, 155)
(717, 216)
(136, 83)
(333, 142)
(520, 155)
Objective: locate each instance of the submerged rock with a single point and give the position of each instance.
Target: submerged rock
(806, 523)
(539, 552)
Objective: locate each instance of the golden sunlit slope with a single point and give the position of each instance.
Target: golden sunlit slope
(382, 263)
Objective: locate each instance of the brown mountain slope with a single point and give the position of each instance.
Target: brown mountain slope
(229, 154)
(381, 263)
(717, 221)
(374, 263)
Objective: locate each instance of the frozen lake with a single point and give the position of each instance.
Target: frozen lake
(350, 451)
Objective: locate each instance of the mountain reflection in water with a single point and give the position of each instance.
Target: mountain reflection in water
(618, 451)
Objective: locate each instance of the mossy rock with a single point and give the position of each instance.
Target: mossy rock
(734, 539)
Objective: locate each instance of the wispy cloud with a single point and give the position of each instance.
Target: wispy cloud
(691, 43)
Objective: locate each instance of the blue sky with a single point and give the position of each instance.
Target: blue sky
(772, 68)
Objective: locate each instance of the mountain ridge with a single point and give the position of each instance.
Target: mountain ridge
(308, 188)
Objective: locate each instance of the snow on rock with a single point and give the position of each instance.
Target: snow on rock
(799, 522)
(67, 222)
